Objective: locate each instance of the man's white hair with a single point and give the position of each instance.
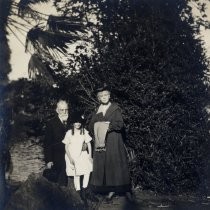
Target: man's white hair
(60, 102)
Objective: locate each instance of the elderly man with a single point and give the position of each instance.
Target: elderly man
(54, 149)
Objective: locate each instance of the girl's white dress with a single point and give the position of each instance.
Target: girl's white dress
(83, 164)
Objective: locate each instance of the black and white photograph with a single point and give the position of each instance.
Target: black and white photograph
(104, 104)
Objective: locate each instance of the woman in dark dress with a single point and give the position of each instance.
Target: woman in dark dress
(110, 166)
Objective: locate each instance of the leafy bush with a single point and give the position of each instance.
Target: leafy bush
(155, 67)
(147, 51)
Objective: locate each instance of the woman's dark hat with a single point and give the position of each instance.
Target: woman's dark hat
(102, 88)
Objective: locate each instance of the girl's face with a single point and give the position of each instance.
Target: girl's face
(104, 96)
(77, 125)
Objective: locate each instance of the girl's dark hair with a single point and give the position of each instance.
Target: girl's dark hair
(77, 117)
(82, 129)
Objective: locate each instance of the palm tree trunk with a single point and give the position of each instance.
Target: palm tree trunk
(5, 68)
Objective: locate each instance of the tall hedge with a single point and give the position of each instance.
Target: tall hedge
(147, 52)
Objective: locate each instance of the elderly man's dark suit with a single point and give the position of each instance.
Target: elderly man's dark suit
(54, 149)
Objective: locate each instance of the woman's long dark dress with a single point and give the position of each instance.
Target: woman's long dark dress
(110, 167)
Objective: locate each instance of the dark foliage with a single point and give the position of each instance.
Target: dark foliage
(146, 50)
(47, 39)
(4, 70)
(155, 66)
(32, 104)
(68, 24)
(5, 51)
(44, 69)
(23, 5)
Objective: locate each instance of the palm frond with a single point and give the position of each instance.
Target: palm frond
(66, 24)
(37, 69)
(25, 3)
(24, 6)
(39, 38)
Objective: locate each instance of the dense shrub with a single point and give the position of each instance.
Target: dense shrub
(147, 51)
(155, 67)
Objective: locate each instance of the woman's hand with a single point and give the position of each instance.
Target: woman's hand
(49, 165)
(84, 146)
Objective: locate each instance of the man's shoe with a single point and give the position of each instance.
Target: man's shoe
(129, 197)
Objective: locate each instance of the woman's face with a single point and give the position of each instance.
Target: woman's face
(104, 96)
(77, 125)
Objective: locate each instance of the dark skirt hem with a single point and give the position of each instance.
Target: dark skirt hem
(117, 189)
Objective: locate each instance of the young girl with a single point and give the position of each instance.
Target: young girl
(78, 163)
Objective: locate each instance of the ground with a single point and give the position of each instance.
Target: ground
(145, 200)
(27, 158)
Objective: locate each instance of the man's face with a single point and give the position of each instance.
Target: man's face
(104, 96)
(62, 110)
